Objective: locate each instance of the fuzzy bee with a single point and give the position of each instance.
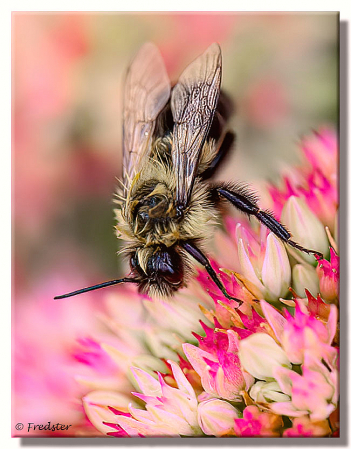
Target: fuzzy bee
(174, 139)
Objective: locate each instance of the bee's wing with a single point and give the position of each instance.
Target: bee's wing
(193, 102)
(147, 90)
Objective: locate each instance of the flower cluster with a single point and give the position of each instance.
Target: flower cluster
(202, 365)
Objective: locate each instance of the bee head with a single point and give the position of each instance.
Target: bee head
(160, 270)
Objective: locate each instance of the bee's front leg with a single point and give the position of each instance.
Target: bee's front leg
(200, 257)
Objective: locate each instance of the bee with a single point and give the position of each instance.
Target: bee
(174, 140)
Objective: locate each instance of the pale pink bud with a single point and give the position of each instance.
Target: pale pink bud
(267, 392)
(269, 270)
(216, 417)
(276, 271)
(305, 277)
(259, 355)
(305, 227)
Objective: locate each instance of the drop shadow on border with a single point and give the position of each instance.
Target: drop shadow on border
(273, 442)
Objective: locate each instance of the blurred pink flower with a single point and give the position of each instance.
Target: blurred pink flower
(200, 29)
(255, 423)
(316, 184)
(98, 368)
(44, 331)
(304, 427)
(321, 150)
(328, 274)
(266, 103)
(43, 78)
(44, 86)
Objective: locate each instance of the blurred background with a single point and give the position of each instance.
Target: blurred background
(67, 81)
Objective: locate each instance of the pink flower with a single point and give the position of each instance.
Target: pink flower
(328, 274)
(98, 368)
(264, 263)
(236, 286)
(313, 393)
(219, 366)
(316, 184)
(44, 371)
(317, 308)
(44, 83)
(304, 427)
(302, 333)
(168, 411)
(321, 150)
(255, 423)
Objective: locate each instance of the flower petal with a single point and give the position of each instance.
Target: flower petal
(276, 271)
(247, 267)
(147, 384)
(182, 382)
(274, 318)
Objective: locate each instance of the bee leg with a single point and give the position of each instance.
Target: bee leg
(244, 203)
(200, 257)
(224, 148)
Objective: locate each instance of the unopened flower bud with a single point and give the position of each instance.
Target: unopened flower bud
(259, 355)
(268, 392)
(328, 274)
(276, 271)
(270, 271)
(305, 277)
(305, 227)
(216, 417)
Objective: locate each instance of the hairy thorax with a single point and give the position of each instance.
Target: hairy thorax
(149, 215)
(153, 215)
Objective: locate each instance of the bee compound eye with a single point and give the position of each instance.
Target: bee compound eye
(154, 201)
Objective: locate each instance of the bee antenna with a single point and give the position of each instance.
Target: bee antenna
(96, 287)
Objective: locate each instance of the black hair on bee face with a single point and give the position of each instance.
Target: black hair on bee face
(164, 271)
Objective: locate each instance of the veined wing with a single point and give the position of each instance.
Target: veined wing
(147, 90)
(193, 102)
